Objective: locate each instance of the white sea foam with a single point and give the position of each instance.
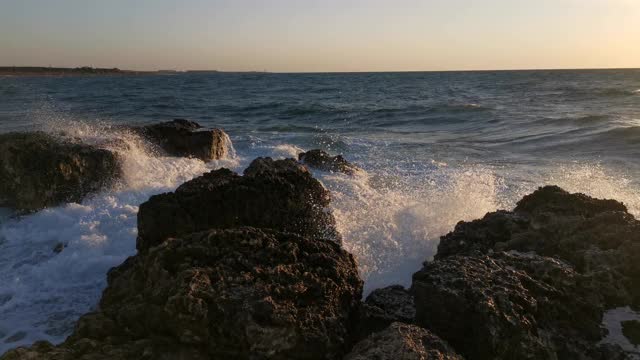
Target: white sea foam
(391, 226)
(286, 151)
(598, 181)
(43, 293)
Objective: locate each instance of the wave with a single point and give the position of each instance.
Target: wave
(391, 226)
(43, 293)
(628, 134)
(607, 92)
(592, 119)
(285, 128)
(438, 108)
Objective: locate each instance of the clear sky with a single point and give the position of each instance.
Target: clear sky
(321, 35)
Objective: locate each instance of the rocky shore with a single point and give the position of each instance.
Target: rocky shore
(251, 266)
(39, 169)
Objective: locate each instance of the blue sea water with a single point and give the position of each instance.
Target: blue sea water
(436, 148)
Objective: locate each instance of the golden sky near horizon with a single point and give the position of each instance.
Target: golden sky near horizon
(329, 35)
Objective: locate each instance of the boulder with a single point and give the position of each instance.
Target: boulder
(187, 139)
(511, 306)
(395, 300)
(38, 170)
(321, 160)
(280, 195)
(221, 294)
(402, 341)
(599, 238)
(383, 307)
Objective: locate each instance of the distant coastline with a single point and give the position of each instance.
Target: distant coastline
(88, 71)
(60, 71)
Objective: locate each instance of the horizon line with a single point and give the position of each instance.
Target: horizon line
(331, 72)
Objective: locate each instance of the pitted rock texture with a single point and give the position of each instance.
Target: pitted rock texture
(598, 237)
(38, 170)
(511, 306)
(321, 160)
(221, 294)
(187, 138)
(402, 341)
(383, 307)
(280, 195)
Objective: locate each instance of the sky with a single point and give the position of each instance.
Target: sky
(321, 35)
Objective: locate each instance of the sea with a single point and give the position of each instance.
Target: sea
(436, 148)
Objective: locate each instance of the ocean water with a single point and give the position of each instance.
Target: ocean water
(437, 148)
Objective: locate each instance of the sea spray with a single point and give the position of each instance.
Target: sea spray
(42, 293)
(392, 226)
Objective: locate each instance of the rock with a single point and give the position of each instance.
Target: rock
(511, 306)
(187, 139)
(554, 200)
(598, 237)
(383, 307)
(631, 330)
(403, 342)
(280, 195)
(221, 294)
(38, 170)
(394, 300)
(321, 160)
(59, 247)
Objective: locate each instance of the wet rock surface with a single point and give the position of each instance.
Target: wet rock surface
(280, 195)
(321, 160)
(597, 237)
(236, 293)
(38, 170)
(402, 341)
(510, 306)
(533, 282)
(384, 307)
(187, 138)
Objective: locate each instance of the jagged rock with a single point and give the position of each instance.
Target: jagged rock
(186, 138)
(38, 170)
(403, 342)
(383, 307)
(321, 160)
(598, 237)
(221, 294)
(281, 195)
(631, 330)
(511, 306)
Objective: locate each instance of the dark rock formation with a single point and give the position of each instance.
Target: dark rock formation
(38, 170)
(403, 342)
(186, 138)
(222, 294)
(631, 330)
(321, 160)
(395, 300)
(280, 195)
(59, 247)
(383, 307)
(511, 306)
(598, 237)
